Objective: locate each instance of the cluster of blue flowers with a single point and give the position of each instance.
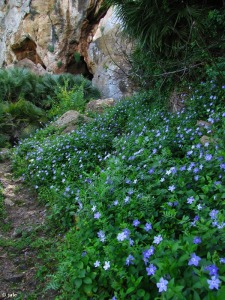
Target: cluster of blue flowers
(150, 189)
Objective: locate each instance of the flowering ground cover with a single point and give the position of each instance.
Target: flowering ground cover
(139, 198)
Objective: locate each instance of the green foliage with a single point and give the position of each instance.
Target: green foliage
(24, 96)
(66, 99)
(168, 27)
(15, 117)
(16, 83)
(175, 40)
(51, 48)
(4, 140)
(59, 64)
(77, 57)
(136, 195)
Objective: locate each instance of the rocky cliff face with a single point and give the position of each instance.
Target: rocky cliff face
(64, 36)
(108, 57)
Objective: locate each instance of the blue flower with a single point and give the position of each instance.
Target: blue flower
(97, 263)
(148, 226)
(213, 214)
(171, 188)
(157, 239)
(136, 223)
(131, 242)
(121, 236)
(106, 265)
(196, 170)
(197, 240)
(222, 260)
(151, 171)
(147, 253)
(194, 260)
(162, 284)
(129, 260)
(126, 232)
(208, 157)
(190, 200)
(101, 236)
(214, 283)
(151, 270)
(127, 199)
(97, 215)
(213, 270)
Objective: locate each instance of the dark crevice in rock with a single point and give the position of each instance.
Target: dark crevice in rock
(96, 13)
(90, 24)
(27, 49)
(79, 67)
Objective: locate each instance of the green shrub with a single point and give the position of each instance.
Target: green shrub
(19, 82)
(77, 57)
(66, 99)
(51, 48)
(24, 96)
(59, 64)
(139, 199)
(176, 41)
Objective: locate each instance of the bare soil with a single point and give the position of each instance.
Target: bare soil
(23, 213)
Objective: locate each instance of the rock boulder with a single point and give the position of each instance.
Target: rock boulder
(70, 121)
(100, 105)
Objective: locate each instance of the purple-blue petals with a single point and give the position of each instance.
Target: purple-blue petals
(151, 270)
(162, 284)
(194, 260)
(197, 240)
(147, 253)
(136, 223)
(213, 270)
(129, 260)
(148, 226)
(214, 283)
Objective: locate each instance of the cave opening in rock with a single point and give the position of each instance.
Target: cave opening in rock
(79, 66)
(27, 49)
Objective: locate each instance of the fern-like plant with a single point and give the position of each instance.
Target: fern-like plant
(163, 26)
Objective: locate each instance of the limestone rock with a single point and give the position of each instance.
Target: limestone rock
(206, 140)
(29, 64)
(67, 36)
(8, 202)
(176, 101)
(47, 32)
(70, 121)
(204, 124)
(100, 105)
(108, 58)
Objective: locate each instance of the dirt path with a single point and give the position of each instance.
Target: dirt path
(23, 213)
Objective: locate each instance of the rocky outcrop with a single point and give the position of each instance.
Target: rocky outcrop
(108, 58)
(66, 36)
(71, 120)
(100, 105)
(48, 32)
(29, 64)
